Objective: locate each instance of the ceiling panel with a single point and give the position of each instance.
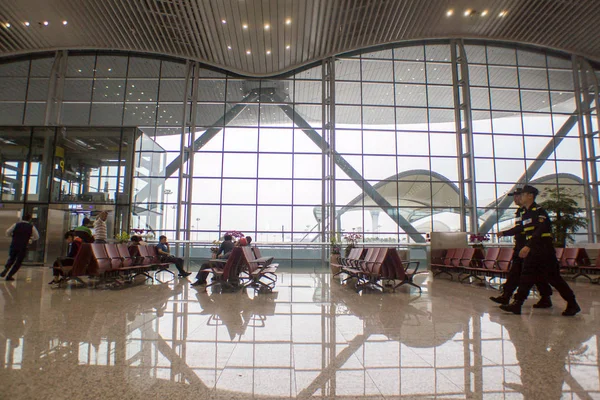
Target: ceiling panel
(269, 37)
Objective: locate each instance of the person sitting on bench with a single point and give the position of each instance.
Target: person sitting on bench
(224, 251)
(165, 256)
(74, 244)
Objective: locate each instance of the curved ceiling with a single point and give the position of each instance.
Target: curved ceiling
(268, 37)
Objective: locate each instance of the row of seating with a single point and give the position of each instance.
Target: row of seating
(372, 265)
(245, 267)
(575, 261)
(495, 262)
(474, 263)
(113, 263)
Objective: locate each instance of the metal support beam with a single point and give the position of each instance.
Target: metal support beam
(582, 103)
(191, 104)
(56, 86)
(179, 161)
(531, 171)
(464, 137)
(350, 171)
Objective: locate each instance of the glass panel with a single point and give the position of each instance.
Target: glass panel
(381, 71)
(14, 152)
(378, 94)
(13, 89)
(411, 95)
(42, 163)
(91, 163)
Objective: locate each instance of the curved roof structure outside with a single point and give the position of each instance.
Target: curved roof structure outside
(270, 37)
(413, 190)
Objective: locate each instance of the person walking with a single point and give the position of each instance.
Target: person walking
(539, 257)
(514, 274)
(100, 228)
(22, 233)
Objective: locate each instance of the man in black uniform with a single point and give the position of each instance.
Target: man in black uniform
(21, 233)
(539, 257)
(514, 274)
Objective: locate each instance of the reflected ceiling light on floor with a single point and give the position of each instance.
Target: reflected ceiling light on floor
(449, 13)
(503, 13)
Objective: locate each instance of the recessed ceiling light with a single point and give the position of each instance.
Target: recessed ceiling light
(449, 13)
(267, 27)
(65, 22)
(245, 26)
(268, 52)
(78, 70)
(248, 52)
(110, 70)
(7, 25)
(484, 13)
(287, 47)
(46, 23)
(467, 12)
(223, 21)
(228, 47)
(26, 23)
(503, 13)
(288, 21)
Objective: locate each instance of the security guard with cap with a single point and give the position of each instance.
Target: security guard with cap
(514, 274)
(539, 258)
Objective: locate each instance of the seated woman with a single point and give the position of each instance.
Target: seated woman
(224, 251)
(74, 244)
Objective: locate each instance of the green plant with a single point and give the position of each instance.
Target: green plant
(122, 237)
(335, 246)
(561, 204)
(351, 239)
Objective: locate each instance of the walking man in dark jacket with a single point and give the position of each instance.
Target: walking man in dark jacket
(22, 233)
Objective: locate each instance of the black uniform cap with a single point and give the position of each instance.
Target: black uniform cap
(517, 191)
(530, 189)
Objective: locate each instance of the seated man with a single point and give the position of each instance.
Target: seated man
(74, 244)
(249, 240)
(165, 256)
(224, 251)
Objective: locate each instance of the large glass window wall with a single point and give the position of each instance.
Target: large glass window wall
(215, 152)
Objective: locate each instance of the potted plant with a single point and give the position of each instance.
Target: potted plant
(561, 204)
(334, 255)
(477, 240)
(122, 237)
(351, 239)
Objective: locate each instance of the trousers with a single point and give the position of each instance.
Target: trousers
(514, 277)
(542, 268)
(16, 256)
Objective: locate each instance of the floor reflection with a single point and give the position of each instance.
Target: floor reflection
(311, 337)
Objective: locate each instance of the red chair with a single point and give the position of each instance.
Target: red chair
(449, 262)
(398, 270)
(227, 273)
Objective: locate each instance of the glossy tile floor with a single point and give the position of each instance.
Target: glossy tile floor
(311, 338)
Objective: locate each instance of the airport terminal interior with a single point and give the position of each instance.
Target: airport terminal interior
(312, 126)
